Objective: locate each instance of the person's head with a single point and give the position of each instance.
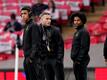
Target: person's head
(26, 13)
(40, 1)
(45, 19)
(78, 19)
(51, 5)
(13, 16)
(38, 8)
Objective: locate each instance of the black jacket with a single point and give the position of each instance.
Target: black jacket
(31, 39)
(105, 49)
(56, 43)
(81, 45)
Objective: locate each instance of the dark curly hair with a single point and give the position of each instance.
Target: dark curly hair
(81, 15)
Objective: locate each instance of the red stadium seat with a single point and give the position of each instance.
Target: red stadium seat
(90, 27)
(95, 29)
(21, 54)
(12, 8)
(1, 7)
(105, 13)
(6, 13)
(68, 44)
(11, 1)
(94, 40)
(26, 1)
(1, 1)
(104, 28)
(103, 20)
(102, 38)
(1, 28)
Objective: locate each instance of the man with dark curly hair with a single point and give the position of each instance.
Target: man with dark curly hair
(80, 46)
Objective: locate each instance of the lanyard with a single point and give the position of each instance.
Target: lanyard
(26, 29)
(46, 38)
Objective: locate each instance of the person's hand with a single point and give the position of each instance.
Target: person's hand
(76, 62)
(106, 61)
(28, 60)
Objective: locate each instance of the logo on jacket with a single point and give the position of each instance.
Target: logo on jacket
(76, 35)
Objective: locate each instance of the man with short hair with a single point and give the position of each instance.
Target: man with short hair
(54, 48)
(31, 41)
(37, 9)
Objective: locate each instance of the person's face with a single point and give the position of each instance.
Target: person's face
(25, 15)
(46, 20)
(50, 4)
(39, 1)
(77, 22)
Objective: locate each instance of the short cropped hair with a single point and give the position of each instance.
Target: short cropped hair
(44, 13)
(28, 8)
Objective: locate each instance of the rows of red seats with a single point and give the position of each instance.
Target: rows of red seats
(16, 4)
(98, 30)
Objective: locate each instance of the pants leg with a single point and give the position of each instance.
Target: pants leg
(59, 71)
(28, 71)
(49, 73)
(40, 71)
(33, 71)
(54, 69)
(80, 71)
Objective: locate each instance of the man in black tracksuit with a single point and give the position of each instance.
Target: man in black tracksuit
(80, 46)
(54, 48)
(31, 41)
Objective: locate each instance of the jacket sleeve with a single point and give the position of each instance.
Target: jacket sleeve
(85, 45)
(105, 49)
(60, 44)
(34, 41)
